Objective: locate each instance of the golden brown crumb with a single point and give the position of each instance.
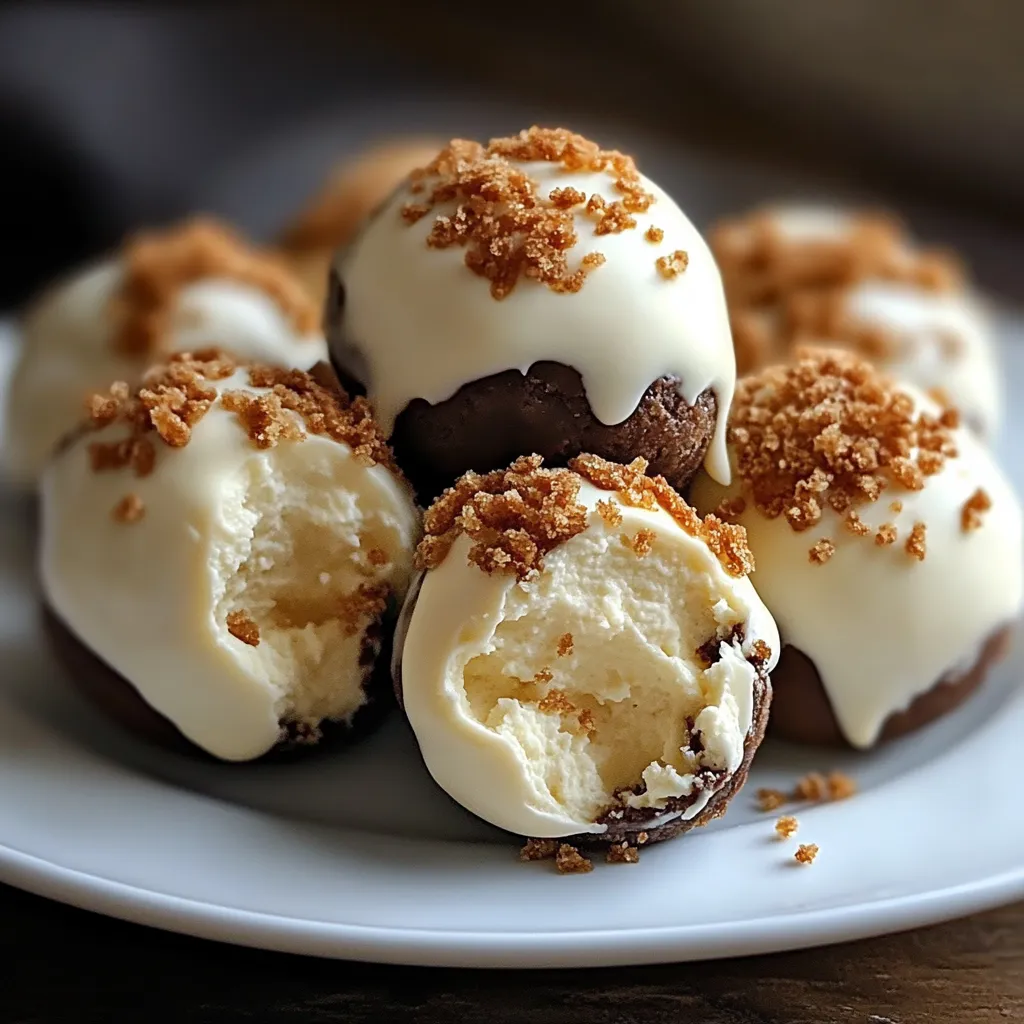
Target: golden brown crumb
(609, 512)
(263, 418)
(840, 786)
(641, 839)
(377, 556)
(653, 234)
(822, 551)
(158, 265)
(760, 651)
(622, 853)
(770, 799)
(586, 720)
(129, 509)
(856, 525)
(556, 702)
(567, 198)
(672, 265)
(569, 861)
(848, 433)
(887, 534)
(805, 853)
(971, 514)
(731, 508)
(544, 675)
(363, 606)
(813, 786)
(642, 542)
(787, 826)
(565, 644)
(915, 545)
(539, 849)
(726, 540)
(896, 507)
(241, 627)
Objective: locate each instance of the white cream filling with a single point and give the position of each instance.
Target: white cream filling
(480, 648)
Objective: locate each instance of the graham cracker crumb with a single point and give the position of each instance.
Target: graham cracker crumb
(263, 418)
(855, 525)
(829, 431)
(655, 235)
(130, 509)
(974, 507)
(760, 651)
(586, 720)
(915, 545)
(887, 534)
(623, 853)
(556, 702)
(896, 507)
(363, 606)
(642, 542)
(822, 551)
(840, 786)
(509, 229)
(241, 627)
(727, 541)
(641, 839)
(609, 512)
(539, 849)
(787, 826)
(672, 265)
(805, 853)
(770, 799)
(159, 265)
(813, 787)
(565, 645)
(569, 861)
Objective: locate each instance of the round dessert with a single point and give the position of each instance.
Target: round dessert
(355, 189)
(182, 289)
(536, 294)
(887, 544)
(800, 274)
(584, 656)
(250, 536)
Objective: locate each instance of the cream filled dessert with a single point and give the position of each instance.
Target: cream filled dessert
(351, 194)
(584, 655)
(182, 289)
(798, 274)
(887, 543)
(249, 535)
(535, 294)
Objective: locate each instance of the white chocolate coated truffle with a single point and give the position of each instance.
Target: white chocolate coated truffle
(423, 324)
(69, 350)
(534, 701)
(280, 538)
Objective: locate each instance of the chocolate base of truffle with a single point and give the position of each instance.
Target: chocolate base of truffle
(802, 712)
(112, 694)
(489, 422)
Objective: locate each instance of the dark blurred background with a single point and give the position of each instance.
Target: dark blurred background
(114, 115)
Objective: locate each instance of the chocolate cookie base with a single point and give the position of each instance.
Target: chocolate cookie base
(802, 712)
(109, 691)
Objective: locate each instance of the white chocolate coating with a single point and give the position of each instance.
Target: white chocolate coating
(425, 325)
(282, 534)
(881, 627)
(68, 351)
(635, 623)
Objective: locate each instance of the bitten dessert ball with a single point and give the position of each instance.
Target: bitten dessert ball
(585, 655)
(355, 189)
(887, 544)
(248, 534)
(182, 289)
(828, 276)
(536, 294)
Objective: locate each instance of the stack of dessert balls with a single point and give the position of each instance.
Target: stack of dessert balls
(516, 483)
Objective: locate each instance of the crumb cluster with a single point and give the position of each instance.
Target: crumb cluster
(829, 431)
(565, 645)
(568, 860)
(786, 827)
(814, 787)
(507, 226)
(622, 853)
(243, 628)
(673, 264)
(805, 853)
(974, 509)
(785, 291)
(158, 265)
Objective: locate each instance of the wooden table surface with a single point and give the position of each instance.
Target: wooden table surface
(60, 964)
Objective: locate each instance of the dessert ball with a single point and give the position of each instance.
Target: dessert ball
(829, 276)
(887, 545)
(183, 289)
(535, 295)
(355, 189)
(584, 656)
(248, 535)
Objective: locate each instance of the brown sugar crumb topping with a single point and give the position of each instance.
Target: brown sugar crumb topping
(263, 417)
(855, 525)
(771, 799)
(821, 551)
(565, 645)
(974, 507)
(556, 702)
(814, 787)
(805, 853)
(896, 507)
(727, 541)
(672, 265)
(241, 627)
(130, 509)
(569, 861)
(508, 228)
(622, 853)
(642, 542)
(513, 516)
(887, 534)
(786, 827)
(655, 235)
(539, 849)
(915, 545)
(830, 431)
(840, 786)
(366, 604)
(609, 512)
(158, 265)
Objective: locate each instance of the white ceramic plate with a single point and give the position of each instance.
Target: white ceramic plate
(360, 856)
